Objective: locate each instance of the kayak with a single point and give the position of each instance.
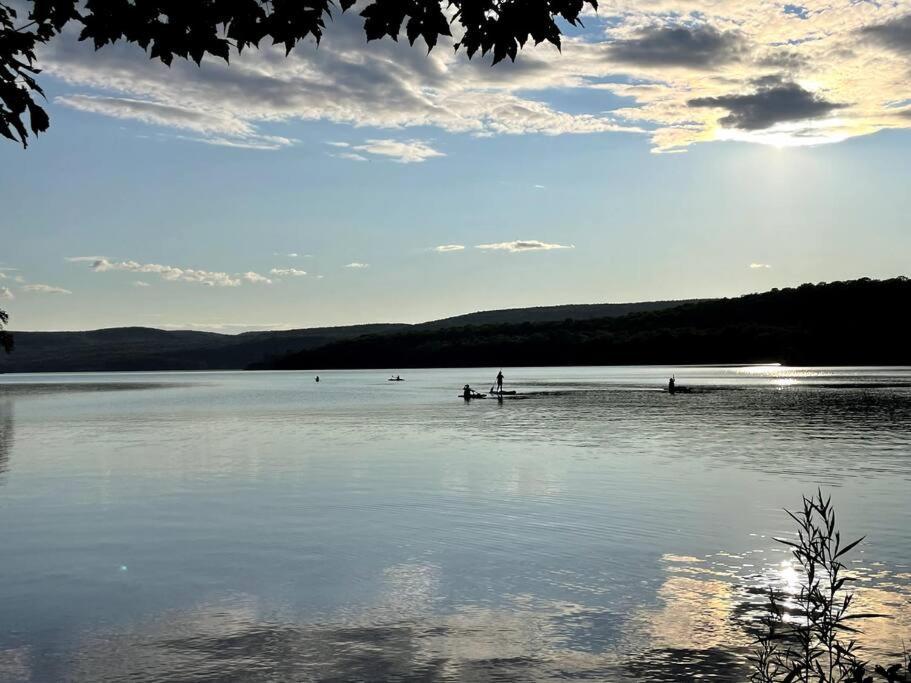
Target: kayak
(395, 379)
(473, 396)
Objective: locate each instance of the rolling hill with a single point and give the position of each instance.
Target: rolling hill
(841, 323)
(144, 348)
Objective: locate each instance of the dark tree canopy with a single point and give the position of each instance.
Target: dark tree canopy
(6, 339)
(192, 29)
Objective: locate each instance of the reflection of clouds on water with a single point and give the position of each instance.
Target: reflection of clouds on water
(15, 664)
(700, 625)
(6, 435)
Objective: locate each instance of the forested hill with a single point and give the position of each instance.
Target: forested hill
(841, 323)
(551, 313)
(145, 348)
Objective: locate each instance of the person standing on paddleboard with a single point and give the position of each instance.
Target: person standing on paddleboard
(500, 381)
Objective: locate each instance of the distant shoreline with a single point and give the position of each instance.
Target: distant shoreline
(855, 323)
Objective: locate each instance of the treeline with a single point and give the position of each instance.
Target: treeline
(862, 321)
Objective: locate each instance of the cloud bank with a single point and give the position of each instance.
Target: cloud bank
(681, 72)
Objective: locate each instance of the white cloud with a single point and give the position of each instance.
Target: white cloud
(172, 273)
(356, 265)
(6, 293)
(292, 272)
(256, 278)
(444, 248)
(401, 151)
(523, 245)
(759, 265)
(141, 283)
(45, 289)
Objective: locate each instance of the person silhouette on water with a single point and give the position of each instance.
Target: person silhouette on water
(466, 392)
(500, 381)
(671, 385)
(317, 378)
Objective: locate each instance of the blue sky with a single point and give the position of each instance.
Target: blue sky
(200, 185)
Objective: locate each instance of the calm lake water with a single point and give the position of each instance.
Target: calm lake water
(260, 526)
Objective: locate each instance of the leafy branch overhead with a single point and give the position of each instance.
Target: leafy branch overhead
(6, 339)
(192, 29)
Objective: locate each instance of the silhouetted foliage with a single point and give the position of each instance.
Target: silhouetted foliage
(841, 323)
(6, 339)
(192, 29)
(814, 639)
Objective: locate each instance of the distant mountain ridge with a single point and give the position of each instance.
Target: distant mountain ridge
(150, 349)
(862, 322)
(552, 313)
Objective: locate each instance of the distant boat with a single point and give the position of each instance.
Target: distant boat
(679, 390)
(395, 379)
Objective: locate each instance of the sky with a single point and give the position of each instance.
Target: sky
(673, 149)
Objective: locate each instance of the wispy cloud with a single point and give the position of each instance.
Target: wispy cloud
(141, 283)
(290, 272)
(445, 248)
(756, 266)
(356, 265)
(401, 151)
(172, 273)
(523, 246)
(6, 293)
(217, 128)
(45, 289)
(350, 156)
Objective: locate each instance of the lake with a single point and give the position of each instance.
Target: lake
(240, 526)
